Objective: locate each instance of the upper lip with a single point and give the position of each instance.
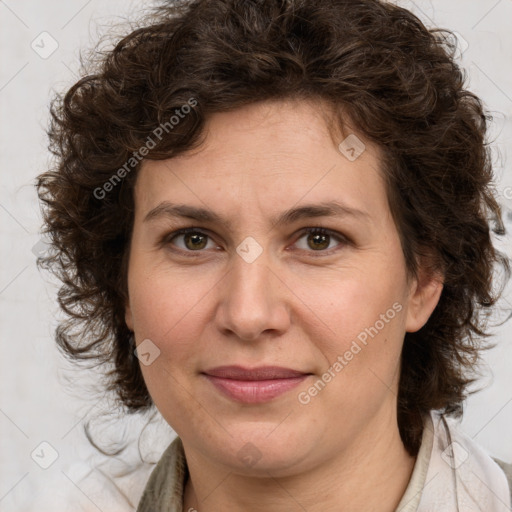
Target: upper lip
(260, 373)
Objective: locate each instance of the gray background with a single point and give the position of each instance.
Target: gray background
(42, 397)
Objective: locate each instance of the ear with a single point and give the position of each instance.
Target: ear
(424, 296)
(128, 316)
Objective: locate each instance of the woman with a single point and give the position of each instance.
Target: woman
(272, 219)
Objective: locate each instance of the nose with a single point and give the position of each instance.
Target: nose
(253, 301)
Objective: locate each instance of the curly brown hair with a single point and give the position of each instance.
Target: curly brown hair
(398, 83)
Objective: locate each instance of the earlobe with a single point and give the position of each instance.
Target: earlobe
(425, 295)
(128, 317)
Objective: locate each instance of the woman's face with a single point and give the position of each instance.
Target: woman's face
(251, 288)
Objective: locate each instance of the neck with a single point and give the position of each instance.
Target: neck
(359, 478)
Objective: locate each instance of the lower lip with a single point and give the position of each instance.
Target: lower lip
(254, 391)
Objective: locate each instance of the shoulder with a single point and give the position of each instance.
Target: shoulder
(507, 469)
(459, 458)
(164, 490)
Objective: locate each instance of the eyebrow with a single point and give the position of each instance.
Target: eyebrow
(324, 209)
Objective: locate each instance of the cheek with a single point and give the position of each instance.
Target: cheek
(361, 357)
(164, 304)
(167, 313)
(354, 305)
(168, 316)
(364, 313)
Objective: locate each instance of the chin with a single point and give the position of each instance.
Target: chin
(257, 453)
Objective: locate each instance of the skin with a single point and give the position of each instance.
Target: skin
(295, 306)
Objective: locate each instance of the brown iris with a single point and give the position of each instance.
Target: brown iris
(318, 241)
(195, 241)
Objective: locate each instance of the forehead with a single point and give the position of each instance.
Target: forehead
(268, 156)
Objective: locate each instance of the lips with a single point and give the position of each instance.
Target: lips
(256, 385)
(261, 373)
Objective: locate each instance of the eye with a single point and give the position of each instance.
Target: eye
(314, 239)
(190, 239)
(319, 240)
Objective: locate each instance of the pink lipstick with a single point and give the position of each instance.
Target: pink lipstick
(253, 386)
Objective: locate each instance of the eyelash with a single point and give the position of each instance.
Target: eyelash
(168, 238)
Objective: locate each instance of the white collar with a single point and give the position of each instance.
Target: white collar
(454, 474)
